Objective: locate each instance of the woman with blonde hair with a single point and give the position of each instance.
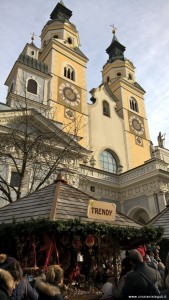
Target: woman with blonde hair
(48, 287)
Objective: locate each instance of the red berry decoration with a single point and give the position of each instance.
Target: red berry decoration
(90, 240)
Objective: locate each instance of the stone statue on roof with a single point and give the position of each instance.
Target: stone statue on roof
(161, 139)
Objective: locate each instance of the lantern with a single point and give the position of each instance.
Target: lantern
(79, 257)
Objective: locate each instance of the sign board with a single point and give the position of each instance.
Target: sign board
(101, 210)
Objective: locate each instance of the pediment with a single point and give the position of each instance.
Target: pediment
(37, 124)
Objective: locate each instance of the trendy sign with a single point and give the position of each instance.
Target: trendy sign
(101, 210)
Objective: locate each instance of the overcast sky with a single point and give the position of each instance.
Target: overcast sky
(142, 27)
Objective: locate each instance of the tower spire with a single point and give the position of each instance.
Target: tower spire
(61, 12)
(62, 3)
(115, 50)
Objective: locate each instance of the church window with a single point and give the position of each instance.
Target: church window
(15, 179)
(69, 40)
(92, 189)
(32, 52)
(106, 109)
(134, 104)
(130, 77)
(108, 162)
(108, 79)
(118, 74)
(69, 73)
(32, 86)
(55, 36)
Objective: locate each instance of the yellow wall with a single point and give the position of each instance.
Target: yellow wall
(57, 56)
(124, 89)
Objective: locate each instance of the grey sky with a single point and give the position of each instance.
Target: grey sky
(142, 27)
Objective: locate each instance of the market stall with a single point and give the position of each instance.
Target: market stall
(61, 225)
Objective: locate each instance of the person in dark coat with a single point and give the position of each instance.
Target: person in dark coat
(23, 286)
(23, 289)
(7, 284)
(48, 287)
(135, 284)
(166, 273)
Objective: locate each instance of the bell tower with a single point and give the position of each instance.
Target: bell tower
(119, 75)
(67, 65)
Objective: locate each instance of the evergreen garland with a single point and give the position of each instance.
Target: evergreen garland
(124, 235)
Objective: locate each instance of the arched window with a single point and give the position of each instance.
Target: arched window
(134, 104)
(139, 215)
(32, 86)
(106, 108)
(15, 179)
(108, 162)
(69, 72)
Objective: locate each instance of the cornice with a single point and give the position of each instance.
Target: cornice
(55, 25)
(24, 67)
(152, 177)
(50, 47)
(120, 82)
(27, 102)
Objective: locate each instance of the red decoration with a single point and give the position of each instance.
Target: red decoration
(49, 247)
(90, 240)
(75, 273)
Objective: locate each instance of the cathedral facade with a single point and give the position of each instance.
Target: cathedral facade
(120, 164)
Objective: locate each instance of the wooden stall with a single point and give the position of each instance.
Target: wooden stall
(62, 225)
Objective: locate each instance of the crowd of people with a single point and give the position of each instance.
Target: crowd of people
(142, 276)
(14, 285)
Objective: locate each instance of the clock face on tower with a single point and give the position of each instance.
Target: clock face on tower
(69, 94)
(136, 125)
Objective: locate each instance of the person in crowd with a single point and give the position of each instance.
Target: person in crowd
(166, 273)
(7, 284)
(149, 259)
(23, 287)
(161, 269)
(24, 290)
(107, 288)
(126, 267)
(48, 287)
(126, 264)
(142, 249)
(136, 284)
(6, 260)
